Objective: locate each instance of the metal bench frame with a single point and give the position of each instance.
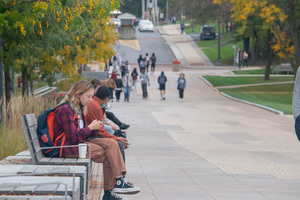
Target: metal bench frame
(29, 124)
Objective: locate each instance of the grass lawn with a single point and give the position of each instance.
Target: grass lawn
(228, 80)
(226, 53)
(189, 29)
(278, 97)
(254, 71)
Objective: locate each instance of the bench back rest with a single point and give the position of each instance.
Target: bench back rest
(29, 126)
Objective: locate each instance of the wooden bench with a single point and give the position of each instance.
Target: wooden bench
(29, 124)
(284, 67)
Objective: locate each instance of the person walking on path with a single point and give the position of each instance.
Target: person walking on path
(182, 26)
(181, 84)
(70, 119)
(134, 76)
(162, 79)
(147, 61)
(127, 83)
(123, 69)
(111, 84)
(139, 60)
(144, 80)
(296, 104)
(245, 59)
(143, 65)
(153, 61)
(119, 86)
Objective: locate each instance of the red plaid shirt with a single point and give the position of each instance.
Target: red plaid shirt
(64, 122)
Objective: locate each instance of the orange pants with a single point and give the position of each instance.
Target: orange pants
(106, 151)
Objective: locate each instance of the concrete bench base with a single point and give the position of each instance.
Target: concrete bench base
(30, 197)
(40, 186)
(79, 171)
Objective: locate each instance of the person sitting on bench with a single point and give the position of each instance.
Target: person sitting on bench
(70, 119)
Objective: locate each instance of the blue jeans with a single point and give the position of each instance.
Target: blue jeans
(127, 93)
(109, 129)
(297, 127)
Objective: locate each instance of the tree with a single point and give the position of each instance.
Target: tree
(276, 22)
(49, 37)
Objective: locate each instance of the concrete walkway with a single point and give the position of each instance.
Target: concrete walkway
(207, 147)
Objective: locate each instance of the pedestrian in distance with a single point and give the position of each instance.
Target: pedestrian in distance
(139, 60)
(144, 80)
(143, 64)
(245, 59)
(111, 84)
(134, 75)
(123, 69)
(296, 104)
(119, 86)
(70, 119)
(147, 61)
(162, 79)
(181, 84)
(153, 61)
(182, 26)
(127, 65)
(127, 83)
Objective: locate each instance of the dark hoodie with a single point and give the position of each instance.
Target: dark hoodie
(139, 60)
(162, 79)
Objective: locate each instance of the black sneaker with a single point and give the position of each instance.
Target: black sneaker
(124, 126)
(122, 186)
(120, 133)
(110, 195)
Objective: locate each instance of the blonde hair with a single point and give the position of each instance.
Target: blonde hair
(72, 97)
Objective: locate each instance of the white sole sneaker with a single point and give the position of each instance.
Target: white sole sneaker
(127, 190)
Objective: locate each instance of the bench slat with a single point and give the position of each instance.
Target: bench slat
(56, 161)
(33, 133)
(31, 120)
(70, 161)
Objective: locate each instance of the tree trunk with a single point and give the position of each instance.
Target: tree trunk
(7, 79)
(269, 57)
(246, 44)
(24, 81)
(292, 19)
(31, 87)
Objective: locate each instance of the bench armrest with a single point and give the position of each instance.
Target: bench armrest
(58, 147)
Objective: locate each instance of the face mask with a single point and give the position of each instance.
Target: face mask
(103, 105)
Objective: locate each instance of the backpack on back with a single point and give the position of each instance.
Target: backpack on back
(46, 135)
(123, 68)
(162, 80)
(134, 77)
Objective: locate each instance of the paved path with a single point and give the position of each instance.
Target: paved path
(207, 147)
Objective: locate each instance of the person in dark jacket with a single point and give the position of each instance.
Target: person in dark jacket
(119, 86)
(181, 84)
(153, 62)
(134, 76)
(139, 60)
(162, 79)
